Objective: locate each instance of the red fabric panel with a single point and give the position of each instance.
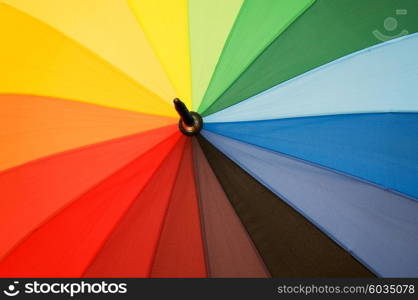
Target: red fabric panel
(180, 250)
(230, 251)
(67, 243)
(31, 193)
(129, 250)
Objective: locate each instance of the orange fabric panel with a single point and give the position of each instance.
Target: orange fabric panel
(32, 193)
(32, 127)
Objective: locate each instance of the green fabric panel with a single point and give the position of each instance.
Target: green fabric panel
(258, 23)
(210, 22)
(328, 30)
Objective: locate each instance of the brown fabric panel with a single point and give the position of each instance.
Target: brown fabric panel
(229, 250)
(290, 245)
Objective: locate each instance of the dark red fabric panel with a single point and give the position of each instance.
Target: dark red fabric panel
(66, 244)
(129, 250)
(229, 250)
(180, 250)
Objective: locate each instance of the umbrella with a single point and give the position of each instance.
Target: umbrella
(290, 148)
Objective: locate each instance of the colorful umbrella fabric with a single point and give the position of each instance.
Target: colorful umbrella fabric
(306, 164)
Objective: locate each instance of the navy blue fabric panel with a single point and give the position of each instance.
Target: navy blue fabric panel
(379, 148)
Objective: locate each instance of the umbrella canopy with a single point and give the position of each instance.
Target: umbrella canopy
(306, 163)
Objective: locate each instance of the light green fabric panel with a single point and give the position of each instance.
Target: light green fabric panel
(210, 22)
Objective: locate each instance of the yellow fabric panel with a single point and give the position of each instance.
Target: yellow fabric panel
(108, 28)
(36, 59)
(165, 23)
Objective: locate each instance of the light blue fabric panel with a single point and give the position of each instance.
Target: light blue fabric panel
(383, 78)
(378, 227)
(380, 148)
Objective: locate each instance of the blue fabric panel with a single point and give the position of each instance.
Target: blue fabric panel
(380, 148)
(378, 227)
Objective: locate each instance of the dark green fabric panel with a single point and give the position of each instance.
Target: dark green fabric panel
(328, 30)
(289, 244)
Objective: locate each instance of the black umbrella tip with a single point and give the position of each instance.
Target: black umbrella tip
(190, 122)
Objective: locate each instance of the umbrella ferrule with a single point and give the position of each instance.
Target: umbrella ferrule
(190, 122)
(183, 112)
